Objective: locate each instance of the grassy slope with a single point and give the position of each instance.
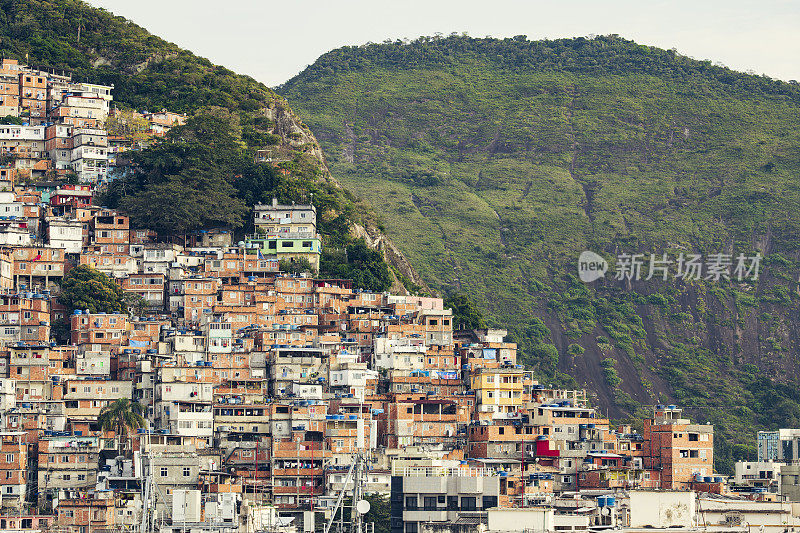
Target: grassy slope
(494, 163)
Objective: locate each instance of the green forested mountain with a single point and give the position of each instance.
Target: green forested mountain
(202, 174)
(494, 163)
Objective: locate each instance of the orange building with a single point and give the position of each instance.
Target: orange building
(676, 448)
(14, 465)
(110, 232)
(108, 329)
(413, 419)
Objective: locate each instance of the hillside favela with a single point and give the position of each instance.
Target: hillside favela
(442, 285)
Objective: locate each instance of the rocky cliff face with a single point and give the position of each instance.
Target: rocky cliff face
(293, 133)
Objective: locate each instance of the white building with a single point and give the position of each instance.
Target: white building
(285, 220)
(93, 361)
(352, 378)
(769, 517)
(762, 474)
(185, 408)
(663, 509)
(65, 233)
(403, 354)
(14, 235)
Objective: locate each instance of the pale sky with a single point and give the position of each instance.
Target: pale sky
(274, 40)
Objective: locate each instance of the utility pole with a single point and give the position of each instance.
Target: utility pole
(355, 516)
(523, 467)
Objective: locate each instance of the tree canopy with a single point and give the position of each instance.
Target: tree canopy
(359, 263)
(121, 416)
(466, 315)
(87, 288)
(126, 124)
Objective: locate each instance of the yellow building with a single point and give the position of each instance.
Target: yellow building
(498, 392)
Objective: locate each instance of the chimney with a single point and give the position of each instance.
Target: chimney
(274, 202)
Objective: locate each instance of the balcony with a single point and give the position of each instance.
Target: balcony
(295, 472)
(316, 491)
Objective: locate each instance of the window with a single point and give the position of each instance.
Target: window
(452, 503)
(187, 471)
(489, 502)
(163, 471)
(468, 503)
(411, 503)
(429, 503)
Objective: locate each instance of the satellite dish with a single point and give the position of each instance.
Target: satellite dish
(606, 511)
(362, 506)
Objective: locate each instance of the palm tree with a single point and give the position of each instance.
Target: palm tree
(121, 416)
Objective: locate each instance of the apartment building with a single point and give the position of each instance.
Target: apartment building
(414, 419)
(430, 494)
(108, 329)
(13, 469)
(679, 449)
(184, 408)
(781, 445)
(498, 391)
(67, 462)
(85, 398)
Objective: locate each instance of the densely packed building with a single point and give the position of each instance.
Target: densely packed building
(259, 390)
(61, 126)
(261, 387)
